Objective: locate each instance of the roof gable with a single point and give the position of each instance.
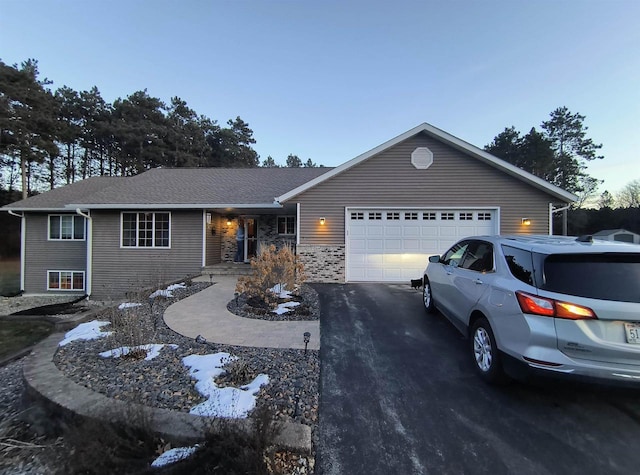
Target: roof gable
(450, 140)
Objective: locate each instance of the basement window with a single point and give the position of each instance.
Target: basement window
(67, 280)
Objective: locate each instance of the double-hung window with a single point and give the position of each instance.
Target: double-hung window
(286, 225)
(146, 229)
(66, 227)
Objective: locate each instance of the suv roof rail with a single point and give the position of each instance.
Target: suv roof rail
(585, 238)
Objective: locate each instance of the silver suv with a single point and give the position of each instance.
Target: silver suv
(542, 304)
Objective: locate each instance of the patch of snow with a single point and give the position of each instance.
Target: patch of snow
(174, 455)
(152, 350)
(285, 307)
(227, 402)
(279, 290)
(86, 331)
(124, 305)
(168, 292)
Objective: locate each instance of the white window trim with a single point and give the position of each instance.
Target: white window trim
(84, 280)
(72, 216)
(288, 216)
(137, 213)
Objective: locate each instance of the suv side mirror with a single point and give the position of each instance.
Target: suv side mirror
(434, 259)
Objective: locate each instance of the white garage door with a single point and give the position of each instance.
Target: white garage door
(393, 245)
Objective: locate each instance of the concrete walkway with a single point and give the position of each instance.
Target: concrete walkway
(206, 314)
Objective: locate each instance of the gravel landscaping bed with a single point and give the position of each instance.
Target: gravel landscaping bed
(309, 308)
(292, 392)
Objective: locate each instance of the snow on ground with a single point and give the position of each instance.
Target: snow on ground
(279, 290)
(86, 331)
(124, 305)
(168, 292)
(222, 402)
(174, 455)
(152, 350)
(285, 307)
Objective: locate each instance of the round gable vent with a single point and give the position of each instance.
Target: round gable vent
(422, 158)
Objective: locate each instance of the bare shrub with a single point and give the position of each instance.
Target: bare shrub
(272, 267)
(133, 327)
(237, 372)
(101, 447)
(230, 448)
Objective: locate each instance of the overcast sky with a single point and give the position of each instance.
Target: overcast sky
(329, 80)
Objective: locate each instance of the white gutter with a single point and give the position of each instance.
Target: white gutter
(23, 243)
(89, 273)
(214, 206)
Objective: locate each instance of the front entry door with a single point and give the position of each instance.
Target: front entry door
(250, 238)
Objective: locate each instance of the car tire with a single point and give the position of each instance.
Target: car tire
(485, 353)
(427, 296)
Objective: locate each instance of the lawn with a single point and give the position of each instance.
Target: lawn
(16, 335)
(9, 276)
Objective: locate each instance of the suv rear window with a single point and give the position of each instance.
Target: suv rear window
(597, 276)
(520, 263)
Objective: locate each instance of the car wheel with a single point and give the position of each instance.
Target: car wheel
(485, 353)
(427, 296)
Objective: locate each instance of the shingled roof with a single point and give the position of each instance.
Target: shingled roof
(176, 188)
(58, 198)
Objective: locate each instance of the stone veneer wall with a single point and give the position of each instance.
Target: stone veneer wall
(323, 263)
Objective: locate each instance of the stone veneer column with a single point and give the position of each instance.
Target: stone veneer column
(323, 263)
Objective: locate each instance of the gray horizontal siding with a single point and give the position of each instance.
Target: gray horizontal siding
(389, 179)
(118, 271)
(42, 255)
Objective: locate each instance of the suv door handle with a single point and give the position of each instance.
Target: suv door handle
(478, 282)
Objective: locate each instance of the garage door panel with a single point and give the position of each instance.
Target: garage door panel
(394, 245)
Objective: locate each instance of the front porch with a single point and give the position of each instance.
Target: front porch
(258, 230)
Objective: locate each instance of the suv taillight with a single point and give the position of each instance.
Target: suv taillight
(546, 307)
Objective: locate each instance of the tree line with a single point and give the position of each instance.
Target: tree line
(559, 153)
(55, 137)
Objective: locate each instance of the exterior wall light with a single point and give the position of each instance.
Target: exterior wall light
(228, 221)
(526, 221)
(322, 220)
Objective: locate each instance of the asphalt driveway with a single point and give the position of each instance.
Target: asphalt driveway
(399, 396)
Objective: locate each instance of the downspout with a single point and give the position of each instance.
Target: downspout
(555, 210)
(89, 274)
(297, 226)
(23, 243)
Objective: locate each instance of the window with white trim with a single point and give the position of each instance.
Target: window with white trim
(484, 216)
(430, 216)
(411, 216)
(375, 216)
(66, 227)
(447, 216)
(146, 229)
(466, 216)
(357, 216)
(286, 225)
(393, 216)
(65, 280)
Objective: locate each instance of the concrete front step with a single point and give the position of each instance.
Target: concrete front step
(227, 268)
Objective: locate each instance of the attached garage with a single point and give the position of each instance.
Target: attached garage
(393, 244)
(377, 217)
